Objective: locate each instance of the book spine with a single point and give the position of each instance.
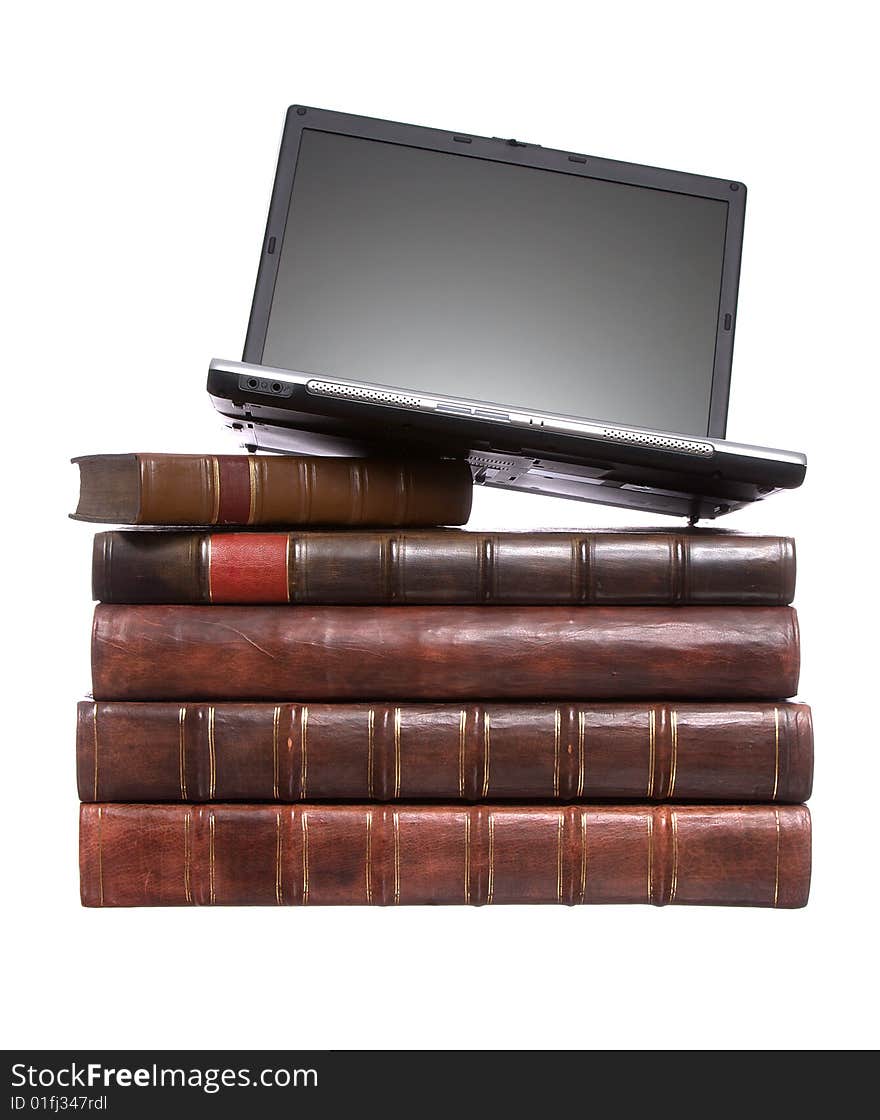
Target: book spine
(449, 653)
(442, 567)
(177, 855)
(199, 752)
(272, 490)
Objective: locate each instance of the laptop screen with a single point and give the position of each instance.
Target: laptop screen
(498, 282)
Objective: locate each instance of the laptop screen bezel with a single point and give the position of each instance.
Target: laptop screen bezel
(300, 118)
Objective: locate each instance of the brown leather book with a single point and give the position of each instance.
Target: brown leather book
(153, 489)
(443, 653)
(235, 855)
(443, 566)
(445, 752)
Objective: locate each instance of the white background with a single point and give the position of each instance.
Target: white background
(140, 145)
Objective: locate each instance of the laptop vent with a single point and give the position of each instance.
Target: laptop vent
(668, 443)
(491, 464)
(353, 392)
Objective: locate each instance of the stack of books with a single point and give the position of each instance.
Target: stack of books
(380, 711)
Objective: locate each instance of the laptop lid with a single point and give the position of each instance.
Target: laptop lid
(496, 270)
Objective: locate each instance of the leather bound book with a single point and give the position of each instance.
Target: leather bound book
(153, 489)
(443, 566)
(443, 653)
(445, 752)
(236, 855)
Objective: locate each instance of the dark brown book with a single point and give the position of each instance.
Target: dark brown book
(443, 653)
(445, 752)
(235, 855)
(153, 489)
(444, 566)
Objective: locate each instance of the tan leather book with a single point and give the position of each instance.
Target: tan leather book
(291, 752)
(686, 567)
(314, 855)
(154, 489)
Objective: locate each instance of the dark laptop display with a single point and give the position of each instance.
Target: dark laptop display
(442, 273)
(562, 321)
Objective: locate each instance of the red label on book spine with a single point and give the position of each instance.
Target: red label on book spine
(235, 490)
(248, 567)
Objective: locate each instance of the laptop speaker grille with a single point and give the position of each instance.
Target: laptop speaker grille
(487, 462)
(668, 443)
(353, 392)
(621, 435)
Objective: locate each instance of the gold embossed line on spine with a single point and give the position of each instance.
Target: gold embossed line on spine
(305, 859)
(557, 729)
(673, 723)
(677, 570)
(462, 729)
(673, 886)
(491, 889)
(776, 875)
(95, 745)
(310, 490)
(583, 885)
(279, 853)
(650, 891)
(371, 732)
(576, 568)
(252, 489)
(276, 719)
(480, 547)
(287, 566)
(490, 571)
(368, 860)
(396, 826)
(100, 857)
(304, 750)
(208, 566)
(181, 749)
(775, 754)
(215, 489)
(212, 755)
(211, 830)
(652, 751)
(582, 727)
(560, 824)
(487, 744)
(187, 856)
(397, 752)
(467, 857)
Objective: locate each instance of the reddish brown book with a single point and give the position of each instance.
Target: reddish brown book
(235, 855)
(443, 653)
(154, 489)
(446, 752)
(444, 566)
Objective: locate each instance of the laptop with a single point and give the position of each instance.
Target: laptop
(564, 323)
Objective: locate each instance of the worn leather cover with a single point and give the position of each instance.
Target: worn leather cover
(452, 752)
(443, 653)
(177, 855)
(272, 490)
(443, 566)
